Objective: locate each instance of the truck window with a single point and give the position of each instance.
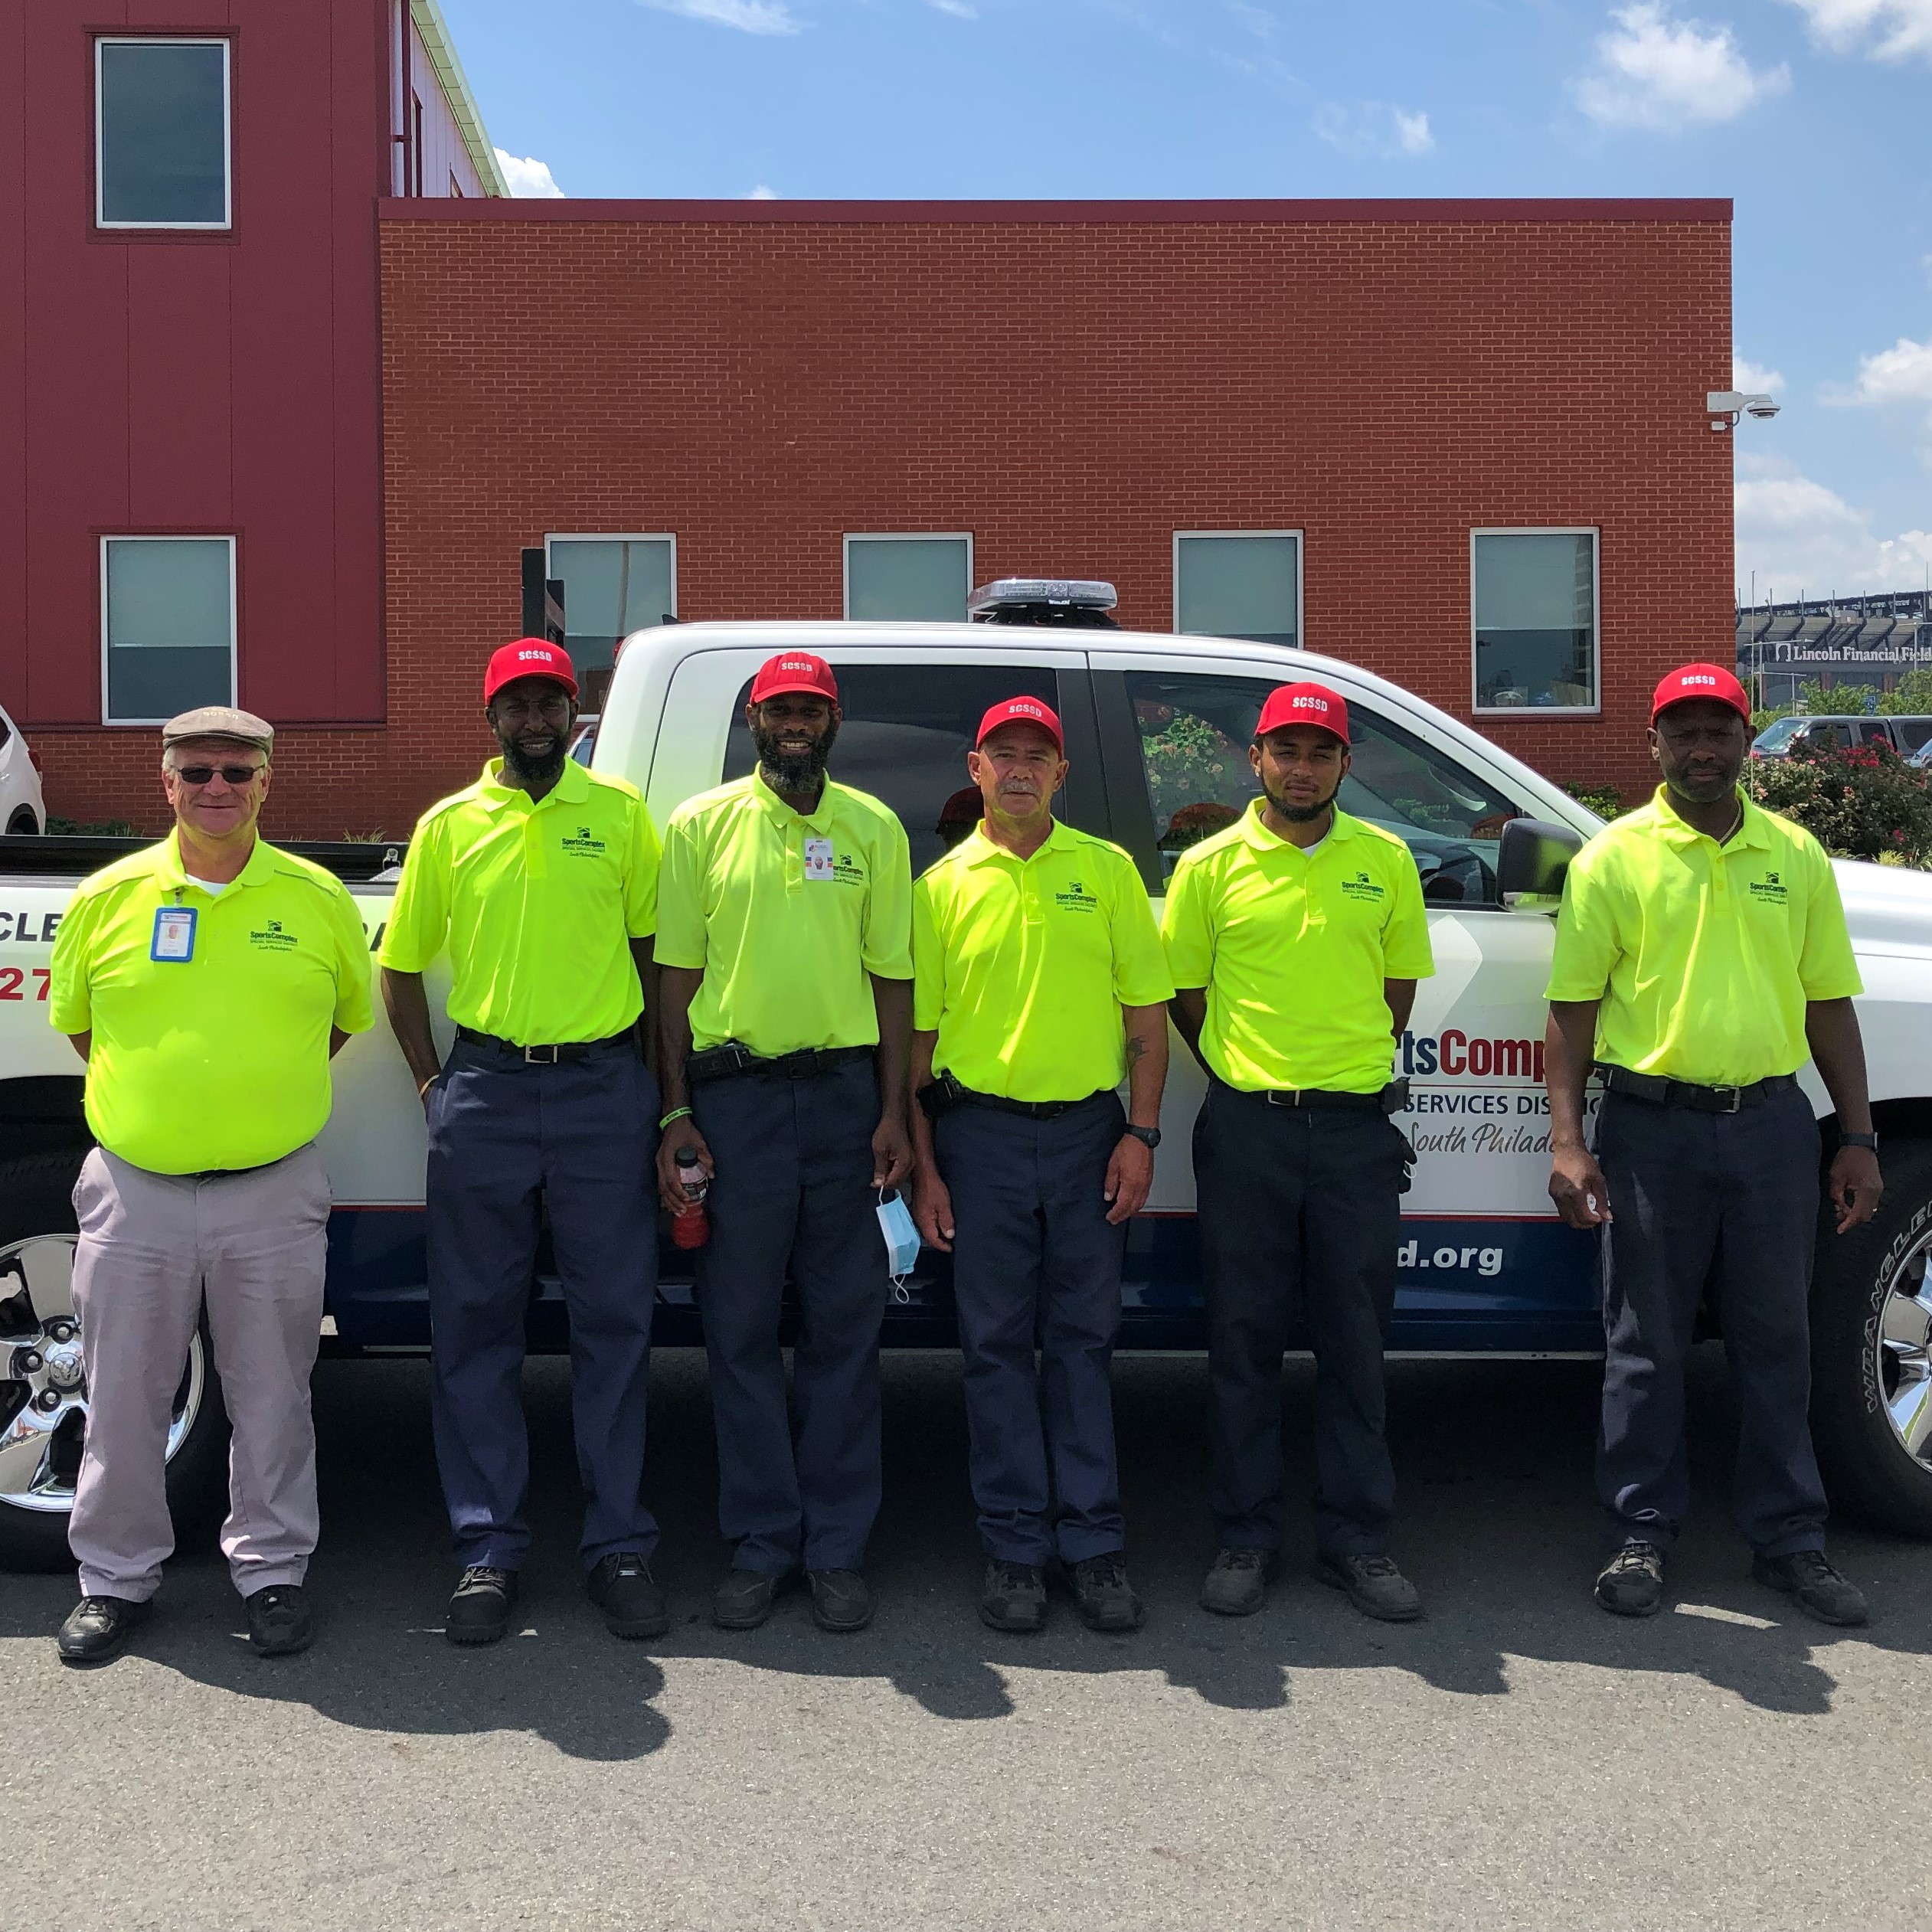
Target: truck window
(1913, 733)
(1195, 730)
(1876, 732)
(904, 736)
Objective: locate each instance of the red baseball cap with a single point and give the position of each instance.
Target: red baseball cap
(794, 671)
(1021, 710)
(1707, 681)
(1304, 704)
(528, 657)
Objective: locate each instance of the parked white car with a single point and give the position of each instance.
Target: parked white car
(22, 809)
(1157, 730)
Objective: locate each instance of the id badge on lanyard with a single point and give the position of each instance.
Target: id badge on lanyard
(818, 859)
(174, 935)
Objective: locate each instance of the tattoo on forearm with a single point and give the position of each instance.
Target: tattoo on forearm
(1135, 1048)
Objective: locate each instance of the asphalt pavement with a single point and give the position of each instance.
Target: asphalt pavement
(1517, 1759)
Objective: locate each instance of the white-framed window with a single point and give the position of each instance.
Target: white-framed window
(1533, 605)
(613, 585)
(913, 579)
(167, 626)
(1243, 583)
(163, 146)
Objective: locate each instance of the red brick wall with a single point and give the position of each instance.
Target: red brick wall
(1072, 386)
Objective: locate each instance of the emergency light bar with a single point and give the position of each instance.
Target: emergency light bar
(1084, 593)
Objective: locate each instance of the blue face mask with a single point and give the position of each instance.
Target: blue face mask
(901, 1242)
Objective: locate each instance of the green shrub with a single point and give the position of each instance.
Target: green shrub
(60, 828)
(1864, 803)
(1605, 800)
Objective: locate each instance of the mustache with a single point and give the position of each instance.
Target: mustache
(793, 770)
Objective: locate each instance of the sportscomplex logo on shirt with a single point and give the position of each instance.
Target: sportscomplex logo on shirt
(1075, 898)
(848, 869)
(1363, 888)
(584, 842)
(1771, 888)
(271, 939)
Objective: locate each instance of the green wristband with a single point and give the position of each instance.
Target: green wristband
(676, 1113)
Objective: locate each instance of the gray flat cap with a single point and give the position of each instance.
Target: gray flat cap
(220, 722)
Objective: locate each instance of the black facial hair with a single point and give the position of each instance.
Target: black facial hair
(525, 772)
(785, 772)
(1302, 814)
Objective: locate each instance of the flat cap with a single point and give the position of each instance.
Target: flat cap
(220, 722)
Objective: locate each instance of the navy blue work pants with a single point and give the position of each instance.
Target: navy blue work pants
(1728, 1200)
(793, 1192)
(508, 1139)
(1034, 1263)
(1299, 1206)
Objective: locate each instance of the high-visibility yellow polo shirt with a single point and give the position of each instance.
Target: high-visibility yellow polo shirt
(785, 915)
(210, 1011)
(538, 903)
(1022, 966)
(1704, 956)
(1293, 949)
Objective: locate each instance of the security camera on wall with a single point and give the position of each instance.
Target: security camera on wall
(1724, 406)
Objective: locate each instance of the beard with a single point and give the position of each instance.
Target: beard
(524, 771)
(1301, 815)
(794, 771)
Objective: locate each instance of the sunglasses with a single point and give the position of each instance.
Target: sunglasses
(231, 774)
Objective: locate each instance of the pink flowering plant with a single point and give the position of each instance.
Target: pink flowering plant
(1864, 802)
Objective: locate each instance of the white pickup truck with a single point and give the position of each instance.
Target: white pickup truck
(1157, 728)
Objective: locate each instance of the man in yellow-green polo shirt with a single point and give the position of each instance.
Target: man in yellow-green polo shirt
(1701, 959)
(206, 981)
(1296, 938)
(784, 935)
(540, 882)
(1038, 985)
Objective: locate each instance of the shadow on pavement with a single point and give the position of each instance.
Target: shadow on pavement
(1496, 1526)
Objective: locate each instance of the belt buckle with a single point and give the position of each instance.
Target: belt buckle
(1285, 1096)
(1736, 1100)
(541, 1056)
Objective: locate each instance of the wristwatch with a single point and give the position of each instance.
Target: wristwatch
(1150, 1136)
(1859, 1140)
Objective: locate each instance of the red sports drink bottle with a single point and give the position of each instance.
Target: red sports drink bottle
(690, 1226)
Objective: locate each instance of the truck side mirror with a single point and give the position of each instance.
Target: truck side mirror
(1532, 858)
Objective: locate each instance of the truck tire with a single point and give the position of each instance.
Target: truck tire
(1871, 1352)
(43, 1395)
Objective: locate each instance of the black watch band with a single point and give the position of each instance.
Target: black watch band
(1859, 1140)
(1150, 1136)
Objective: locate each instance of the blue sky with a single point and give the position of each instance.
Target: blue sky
(1811, 114)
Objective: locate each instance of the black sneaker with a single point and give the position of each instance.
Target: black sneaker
(621, 1587)
(840, 1599)
(1013, 1597)
(1375, 1586)
(743, 1600)
(97, 1626)
(1813, 1585)
(479, 1612)
(1238, 1584)
(280, 1622)
(1102, 1595)
(1632, 1582)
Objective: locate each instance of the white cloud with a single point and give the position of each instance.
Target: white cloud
(528, 177)
(1754, 377)
(1882, 29)
(762, 193)
(1797, 535)
(1901, 373)
(958, 9)
(1371, 127)
(747, 16)
(1656, 72)
(1257, 20)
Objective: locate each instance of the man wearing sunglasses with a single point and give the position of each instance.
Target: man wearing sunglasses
(539, 881)
(206, 981)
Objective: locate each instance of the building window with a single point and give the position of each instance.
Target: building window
(1533, 598)
(1239, 583)
(611, 587)
(168, 626)
(917, 579)
(161, 134)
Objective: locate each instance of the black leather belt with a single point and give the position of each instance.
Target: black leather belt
(1662, 1092)
(945, 1093)
(1392, 1099)
(731, 1061)
(547, 1056)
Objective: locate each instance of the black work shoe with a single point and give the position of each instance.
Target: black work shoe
(479, 1612)
(1238, 1584)
(1102, 1595)
(743, 1600)
(621, 1587)
(1013, 1597)
(1374, 1585)
(1632, 1582)
(1813, 1585)
(97, 1626)
(280, 1622)
(840, 1599)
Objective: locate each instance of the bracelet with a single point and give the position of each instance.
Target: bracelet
(1859, 1140)
(676, 1113)
(428, 1083)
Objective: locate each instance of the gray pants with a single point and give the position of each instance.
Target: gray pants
(153, 1246)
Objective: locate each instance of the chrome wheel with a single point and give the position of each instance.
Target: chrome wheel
(44, 1378)
(1905, 1352)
